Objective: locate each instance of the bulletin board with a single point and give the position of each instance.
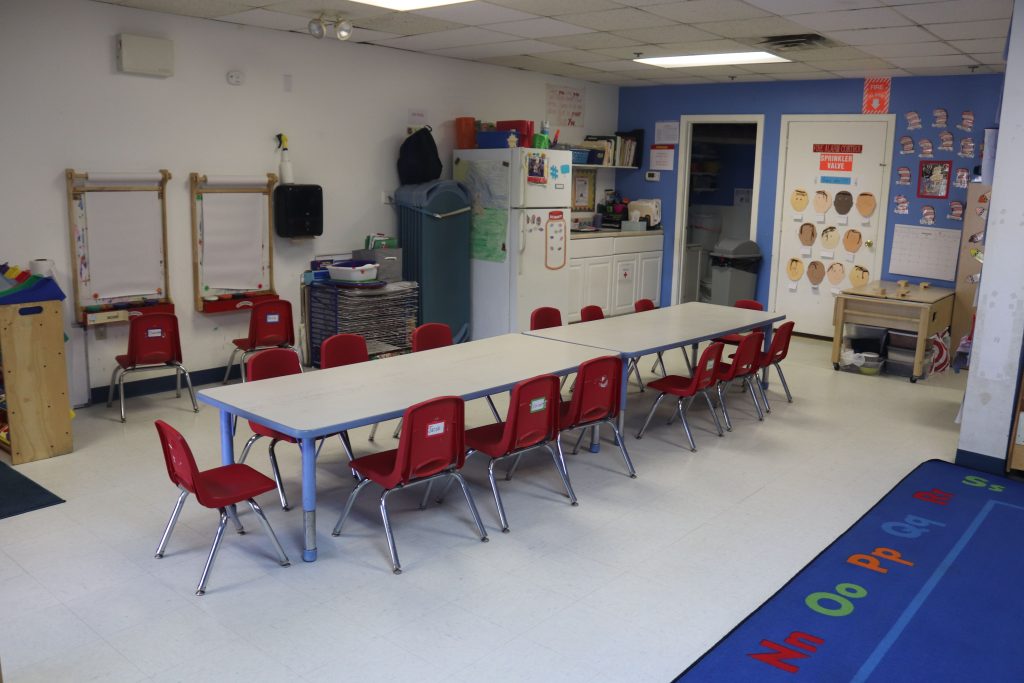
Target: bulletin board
(232, 245)
(118, 229)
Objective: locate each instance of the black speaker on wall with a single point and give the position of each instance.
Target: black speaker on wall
(299, 210)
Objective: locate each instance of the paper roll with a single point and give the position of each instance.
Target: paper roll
(236, 181)
(43, 267)
(137, 178)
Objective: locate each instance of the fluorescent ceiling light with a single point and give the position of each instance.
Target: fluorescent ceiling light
(711, 60)
(408, 5)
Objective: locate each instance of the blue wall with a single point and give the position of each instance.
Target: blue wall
(642, 107)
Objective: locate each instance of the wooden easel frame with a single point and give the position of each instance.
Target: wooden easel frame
(77, 183)
(198, 185)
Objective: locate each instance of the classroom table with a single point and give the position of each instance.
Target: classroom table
(639, 334)
(311, 405)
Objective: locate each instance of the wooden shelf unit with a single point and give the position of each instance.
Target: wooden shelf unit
(35, 380)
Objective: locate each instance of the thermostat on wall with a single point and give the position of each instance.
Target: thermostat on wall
(144, 55)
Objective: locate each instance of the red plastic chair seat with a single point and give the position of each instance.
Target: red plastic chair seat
(243, 344)
(262, 430)
(487, 439)
(675, 385)
(231, 484)
(380, 468)
(733, 339)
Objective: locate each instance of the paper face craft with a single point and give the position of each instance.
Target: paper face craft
(852, 239)
(798, 200)
(859, 276)
(836, 272)
(829, 237)
(795, 269)
(843, 202)
(808, 233)
(822, 202)
(903, 175)
(815, 272)
(866, 204)
(941, 116)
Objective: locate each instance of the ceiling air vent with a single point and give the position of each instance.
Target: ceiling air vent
(796, 41)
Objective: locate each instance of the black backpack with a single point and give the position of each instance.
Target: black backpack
(418, 161)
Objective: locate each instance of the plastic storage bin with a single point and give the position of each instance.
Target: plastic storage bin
(902, 340)
(353, 270)
(900, 362)
(580, 156)
(495, 139)
(388, 260)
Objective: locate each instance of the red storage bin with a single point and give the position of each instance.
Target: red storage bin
(523, 127)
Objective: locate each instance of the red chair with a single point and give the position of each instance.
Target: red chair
(750, 305)
(776, 353)
(220, 488)
(700, 383)
(544, 317)
(532, 422)
(431, 445)
(153, 342)
(641, 306)
(340, 350)
(270, 326)
(744, 368)
(595, 400)
(266, 364)
(589, 313)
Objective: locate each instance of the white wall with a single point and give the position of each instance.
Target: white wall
(990, 401)
(63, 105)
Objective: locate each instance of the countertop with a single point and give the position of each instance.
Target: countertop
(613, 233)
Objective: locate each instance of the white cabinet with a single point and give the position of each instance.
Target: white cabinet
(624, 290)
(649, 280)
(613, 272)
(576, 301)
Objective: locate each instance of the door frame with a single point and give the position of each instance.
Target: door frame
(780, 201)
(686, 123)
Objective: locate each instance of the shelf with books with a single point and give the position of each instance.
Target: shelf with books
(621, 168)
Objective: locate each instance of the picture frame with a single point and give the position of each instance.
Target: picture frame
(933, 179)
(583, 194)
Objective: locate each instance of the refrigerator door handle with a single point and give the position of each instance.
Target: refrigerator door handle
(523, 182)
(522, 240)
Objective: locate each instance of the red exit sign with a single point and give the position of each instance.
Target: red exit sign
(836, 162)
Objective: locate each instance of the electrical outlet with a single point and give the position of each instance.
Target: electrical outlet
(387, 198)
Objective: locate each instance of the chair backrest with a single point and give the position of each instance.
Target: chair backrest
(431, 336)
(544, 317)
(271, 324)
(596, 395)
(588, 313)
(744, 361)
(153, 339)
(532, 413)
(780, 343)
(704, 373)
(343, 349)
(181, 465)
(641, 305)
(749, 304)
(432, 438)
(271, 363)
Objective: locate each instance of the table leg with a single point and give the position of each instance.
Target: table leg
(767, 345)
(308, 447)
(227, 441)
(922, 343)
(837, 334)
(693, 355)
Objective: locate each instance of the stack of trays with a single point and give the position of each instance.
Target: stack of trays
(384, 316)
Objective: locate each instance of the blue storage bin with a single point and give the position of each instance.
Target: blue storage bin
(580, 156)
(493, 139)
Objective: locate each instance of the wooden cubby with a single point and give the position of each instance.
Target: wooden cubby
(35, 381)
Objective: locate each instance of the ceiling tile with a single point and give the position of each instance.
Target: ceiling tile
(989, 58)
(785, 7)
(405, 24)
(571, 70)
(779, 68)
(882, 36)
(824, 53)
(684, 80)
(767, 26)
(589, 41)
(510, 47)
(937, 60)
(980, 45)
(851, 64)
(674, 33)
(330, 8)
(541, 27)
(630, 52)
(966, 30)
(550, 8)
(954, 70)
(365, 35)
(475, 13)
(707, 47)
(438, 40)
(957, 10)
(519, 62)
(871, 73)
(751, 78)
(805, 76)
(706, 10)
(575, 56)
(614, 19)
(620, 65)
(858, 18)
(712, 71)
(195, 8)
(643, 4)
(910, 49)
(266, 19)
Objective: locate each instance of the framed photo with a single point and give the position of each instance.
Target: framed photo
(933, 179)
(583, 181)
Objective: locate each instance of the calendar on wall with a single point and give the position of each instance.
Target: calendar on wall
(924, 252)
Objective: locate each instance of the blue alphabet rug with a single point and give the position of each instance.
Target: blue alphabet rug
(924, 587)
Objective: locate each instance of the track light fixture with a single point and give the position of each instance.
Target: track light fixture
(340, 28)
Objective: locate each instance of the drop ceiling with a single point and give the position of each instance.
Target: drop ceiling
(596, 40)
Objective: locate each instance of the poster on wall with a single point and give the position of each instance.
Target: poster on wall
(565, 106)
(663, 157)
(876, 95)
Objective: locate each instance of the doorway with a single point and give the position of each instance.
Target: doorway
(717, 200)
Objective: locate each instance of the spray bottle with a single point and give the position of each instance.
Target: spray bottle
(285, 168)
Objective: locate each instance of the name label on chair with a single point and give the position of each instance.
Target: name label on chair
(155, 332)
(273, 317)
(538, 404)
(435, 429)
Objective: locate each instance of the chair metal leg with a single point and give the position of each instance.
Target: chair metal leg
(277, 476)
(634, 369)
(169, 529)
(397, 568)
(231, 362)
(373, 431)
(497, 496)
(576, 448)
(515, 465)
(348, 506)
(241, 362)
(782, 378)
(753, 396)
(559, 459)
(622, 449)
(444, 491)
(494, 411)
(764, 395)
(201, 588)
(281, 557)
(398, 429)
(232, 511)
(661, 362)
(426, 494)
(561, 385)
(110, 388)
(188, 383)
(472, 506)
(245, 450)
(120, 393)
(177, 381)
(346, 443)
(721, 401)
(686, 425)
(714, 413)
(654, 406)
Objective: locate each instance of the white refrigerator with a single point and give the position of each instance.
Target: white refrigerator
(519, 241)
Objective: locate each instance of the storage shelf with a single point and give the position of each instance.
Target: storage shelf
(623, 168)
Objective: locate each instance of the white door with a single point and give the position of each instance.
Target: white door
(575, 289)
(540, 263)
(831, 207)
(597, 282)
(649, 281)
(541, 178)
(624, 291)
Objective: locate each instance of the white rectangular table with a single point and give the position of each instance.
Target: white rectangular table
(640, 334)
(316, 404)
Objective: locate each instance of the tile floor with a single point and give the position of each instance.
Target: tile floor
(633, 584)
